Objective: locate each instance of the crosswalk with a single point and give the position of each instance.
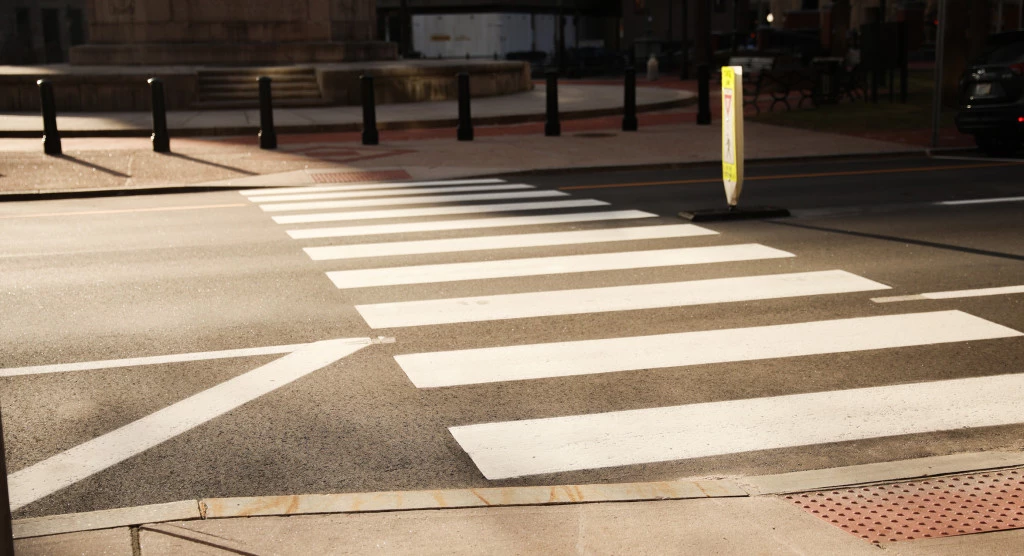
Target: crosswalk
(490, 218)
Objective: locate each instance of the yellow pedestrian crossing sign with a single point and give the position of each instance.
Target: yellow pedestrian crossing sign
(732, 132)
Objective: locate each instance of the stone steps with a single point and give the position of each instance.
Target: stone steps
(249, 104)
(239, 88)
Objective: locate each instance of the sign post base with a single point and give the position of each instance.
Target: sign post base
(733, 213)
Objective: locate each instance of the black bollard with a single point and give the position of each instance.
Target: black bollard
(370, 136)
(874, 86)
(629, 110)
(464, 132)
(6, 529)
(703, 95)
(267, 135)
(161, 141)
(552, 128)
(51, 137)
(904, 73)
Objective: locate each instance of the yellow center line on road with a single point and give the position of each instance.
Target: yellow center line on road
(121, 211)
(795, 176)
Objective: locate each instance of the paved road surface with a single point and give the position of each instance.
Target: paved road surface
(528, 330)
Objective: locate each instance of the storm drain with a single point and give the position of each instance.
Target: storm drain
(359, 177)
(939, 507)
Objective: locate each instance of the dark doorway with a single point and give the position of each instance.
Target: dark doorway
(51, 37)
(76, 26)
(23, 37)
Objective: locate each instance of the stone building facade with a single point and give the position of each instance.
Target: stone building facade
(233, 32)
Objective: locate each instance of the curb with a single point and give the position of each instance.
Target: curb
(402, 125)
(92, 193)
(909, 153)
(950, 150)
(371, 502)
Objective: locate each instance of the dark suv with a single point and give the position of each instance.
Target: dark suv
(992, 96)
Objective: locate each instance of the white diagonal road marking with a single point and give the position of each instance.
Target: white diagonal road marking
(618, 298)
(468, 224)
(424, 274)
(67, 468)
(497, 364)
(531, 447)
(982, 201)
(150, 360)
(575, 237)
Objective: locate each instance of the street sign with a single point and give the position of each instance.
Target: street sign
(732, 132)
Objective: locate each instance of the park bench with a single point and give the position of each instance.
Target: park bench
(756, 77)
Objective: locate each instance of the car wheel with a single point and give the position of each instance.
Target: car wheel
(997, 145)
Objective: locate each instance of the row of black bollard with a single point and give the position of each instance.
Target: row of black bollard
(161, 137)
(51, 135)
(268, 136)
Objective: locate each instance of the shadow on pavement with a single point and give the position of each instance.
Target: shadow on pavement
(214, 164)
(903, 240)
(94, 166)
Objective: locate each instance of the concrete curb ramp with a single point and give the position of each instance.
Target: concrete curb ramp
(765, 485)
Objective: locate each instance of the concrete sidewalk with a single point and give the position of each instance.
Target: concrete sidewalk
(665, 138)
(751, 515)
(575, 101)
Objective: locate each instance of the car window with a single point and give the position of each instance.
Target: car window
(1004, 54)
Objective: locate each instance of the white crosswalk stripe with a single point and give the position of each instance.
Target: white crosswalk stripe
(618, 298)
(256, 194)
(414, 200)
(468, 224)
(531, 447)
(506, 449)
(558, 359)
(425, 274)
(578, 237)
(435, 211)
(392, 192)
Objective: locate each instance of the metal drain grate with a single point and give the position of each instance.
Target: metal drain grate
(358, 177)
(939, 507)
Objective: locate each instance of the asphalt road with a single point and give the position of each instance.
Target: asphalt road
(98, 279)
